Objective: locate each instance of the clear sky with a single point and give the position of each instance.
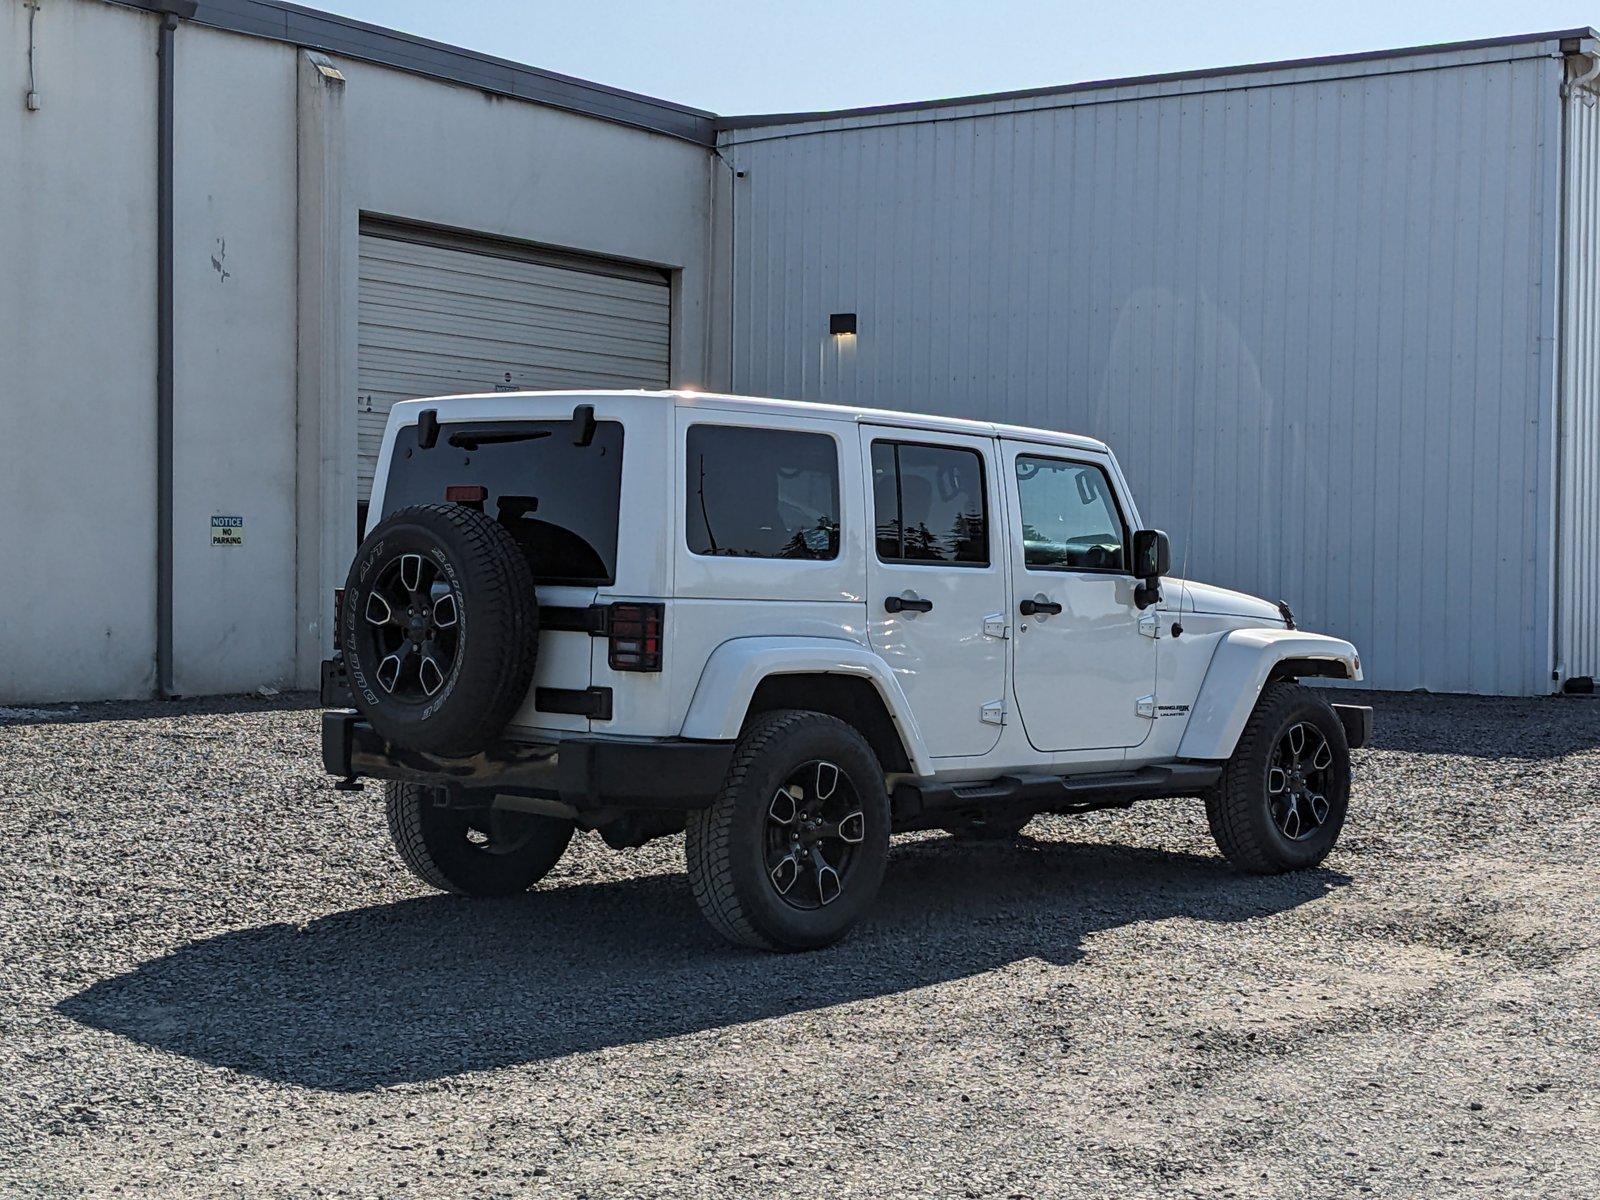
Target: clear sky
(740, 56)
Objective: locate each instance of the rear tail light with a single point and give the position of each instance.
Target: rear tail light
(635, 637)
(338, 607)
(466, 493)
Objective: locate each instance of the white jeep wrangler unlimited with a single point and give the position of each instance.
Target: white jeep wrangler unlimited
(791, 630)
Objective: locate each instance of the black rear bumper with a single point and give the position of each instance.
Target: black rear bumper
(589, 773)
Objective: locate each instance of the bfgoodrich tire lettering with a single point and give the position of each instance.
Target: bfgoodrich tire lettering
(760, 857)
(439, 628)
(1251, 809)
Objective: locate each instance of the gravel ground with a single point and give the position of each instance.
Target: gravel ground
(216, 979)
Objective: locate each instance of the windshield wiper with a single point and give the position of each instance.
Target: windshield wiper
(468, 439)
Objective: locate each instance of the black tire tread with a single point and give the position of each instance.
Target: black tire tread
(403, 804)
(708, 839)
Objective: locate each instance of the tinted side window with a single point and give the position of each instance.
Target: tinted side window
(761, 493)
(1069, 518)
(929, 504)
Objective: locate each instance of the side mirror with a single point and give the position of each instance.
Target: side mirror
(1152, 558)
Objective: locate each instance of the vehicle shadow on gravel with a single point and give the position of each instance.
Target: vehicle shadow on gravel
(433, 987)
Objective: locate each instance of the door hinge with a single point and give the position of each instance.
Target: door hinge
(996, 626)
(993, 713)
(1145, 706)
(1149, 624)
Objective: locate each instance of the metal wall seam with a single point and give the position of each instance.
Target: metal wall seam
(1578, 602)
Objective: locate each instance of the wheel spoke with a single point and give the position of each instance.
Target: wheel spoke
(1297, 741)
(1277, 781)
(827, 780)
(785, 873)
(378, 610)
(445, 613)
(1323, 758)
(850, 828)
(783, 810)
(1319, 807)
(389, 669)
(829, 885)
(430, 675)
(411, 572)
(1291, 819)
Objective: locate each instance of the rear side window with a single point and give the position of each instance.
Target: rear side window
(761, 493)
(559, 500)
(929, 504)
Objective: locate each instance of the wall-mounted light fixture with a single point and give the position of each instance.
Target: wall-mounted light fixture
(842, 324)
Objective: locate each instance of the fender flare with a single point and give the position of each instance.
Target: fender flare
(736, 668)
(1240, 667)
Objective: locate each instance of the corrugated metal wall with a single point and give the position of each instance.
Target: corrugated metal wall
(1578, 605)
(1313, 311)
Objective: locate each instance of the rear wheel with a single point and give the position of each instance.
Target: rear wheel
(793, 850)
(472, 851)
(1283, 795)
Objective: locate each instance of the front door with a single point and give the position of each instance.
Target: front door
(1085, 674)
(936, 588)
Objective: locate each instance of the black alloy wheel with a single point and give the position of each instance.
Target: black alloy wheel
(1298, 781)
(409, 626)
(814, 824)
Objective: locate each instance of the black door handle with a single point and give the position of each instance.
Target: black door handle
(1028, 607)
(896, 604)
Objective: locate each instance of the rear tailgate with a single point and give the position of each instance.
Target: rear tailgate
(555, 483)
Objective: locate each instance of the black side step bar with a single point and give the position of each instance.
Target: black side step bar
(915, 804)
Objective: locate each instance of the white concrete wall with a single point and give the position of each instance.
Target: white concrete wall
(234, 372)
(77, 354)
(77, 320)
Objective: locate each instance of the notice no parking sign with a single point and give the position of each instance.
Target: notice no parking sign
(227, 531)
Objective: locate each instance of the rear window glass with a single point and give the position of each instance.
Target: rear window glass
(761, 493)
(929, 504)
(559, 500)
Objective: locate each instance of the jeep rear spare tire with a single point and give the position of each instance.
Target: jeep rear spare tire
(439, 628)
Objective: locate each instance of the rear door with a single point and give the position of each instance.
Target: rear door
(559, 500)
(936, 586)
(1085, 672)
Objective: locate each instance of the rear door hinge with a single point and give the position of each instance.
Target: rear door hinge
(1145, 706)
(993, 713)
(995, 625)
(1149, 624)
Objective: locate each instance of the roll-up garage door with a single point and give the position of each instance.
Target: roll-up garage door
(443, 314)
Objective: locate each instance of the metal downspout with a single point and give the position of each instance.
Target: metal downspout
(1570, 84)
(165, 73)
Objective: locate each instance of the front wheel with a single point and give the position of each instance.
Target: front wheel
(792, 852)
(1283, 795)
(472, 851)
